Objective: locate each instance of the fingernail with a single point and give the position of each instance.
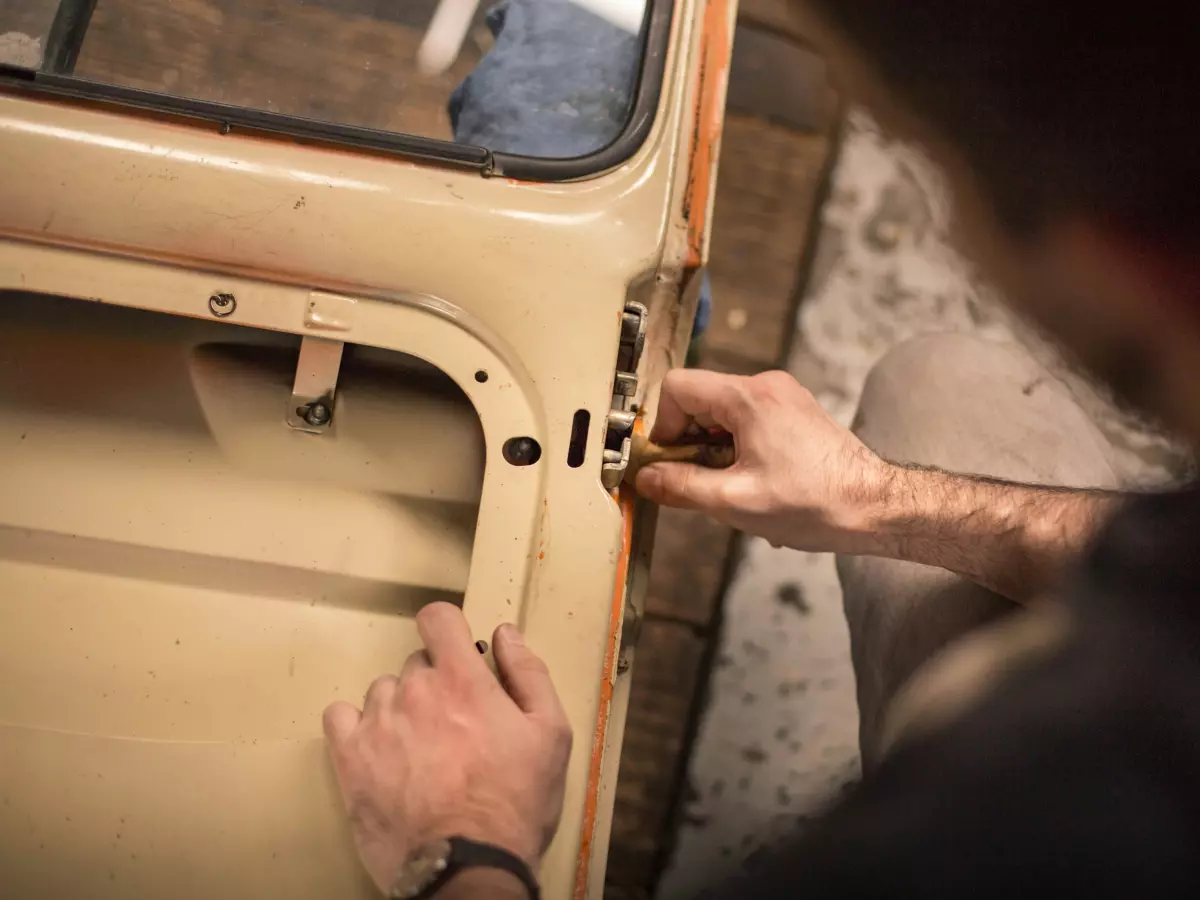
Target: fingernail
(512, 635)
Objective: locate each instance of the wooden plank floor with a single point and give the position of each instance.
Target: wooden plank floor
(24, 27)
(30, 17)
(334, 60)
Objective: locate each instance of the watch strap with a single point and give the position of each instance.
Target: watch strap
(468, 854)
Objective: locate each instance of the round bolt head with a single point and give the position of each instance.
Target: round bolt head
(318, 414)
(222, 305)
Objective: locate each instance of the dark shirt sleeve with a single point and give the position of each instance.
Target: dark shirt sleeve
(1079, 775)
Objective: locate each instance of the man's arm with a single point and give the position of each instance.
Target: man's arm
(802, 480)
(1014, 539)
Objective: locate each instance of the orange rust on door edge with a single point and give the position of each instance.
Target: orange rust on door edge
(626, 498)
(715, 51)
(706, 130)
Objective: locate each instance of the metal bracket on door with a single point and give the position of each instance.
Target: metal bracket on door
(314, 392)
(619, 427)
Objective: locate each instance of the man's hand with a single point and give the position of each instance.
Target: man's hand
(445, 749)
(800, 480)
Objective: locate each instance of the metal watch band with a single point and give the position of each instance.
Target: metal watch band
(469, 854)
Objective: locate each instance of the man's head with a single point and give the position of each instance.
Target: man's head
(1068, 132)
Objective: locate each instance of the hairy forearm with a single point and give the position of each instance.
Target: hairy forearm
(1014, 539)
(476, 884)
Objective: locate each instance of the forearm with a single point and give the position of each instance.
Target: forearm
(1014, 539)
(475, 884)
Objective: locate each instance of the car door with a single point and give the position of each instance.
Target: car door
(273, 382)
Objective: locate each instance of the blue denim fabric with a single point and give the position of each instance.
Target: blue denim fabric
(557, 84)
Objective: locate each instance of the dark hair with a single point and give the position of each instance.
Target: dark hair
(1059, 106)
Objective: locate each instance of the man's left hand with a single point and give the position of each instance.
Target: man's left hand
(446, 749)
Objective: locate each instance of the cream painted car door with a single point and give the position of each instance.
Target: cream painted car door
(265, 397)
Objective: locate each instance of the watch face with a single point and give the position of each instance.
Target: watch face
(421, 869)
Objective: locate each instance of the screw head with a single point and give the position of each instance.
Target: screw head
(317, 414)
(222, 305)
(521, 451)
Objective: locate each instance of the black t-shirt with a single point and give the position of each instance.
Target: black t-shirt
(1078, 776)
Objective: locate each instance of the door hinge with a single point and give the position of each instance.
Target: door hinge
(618, 432)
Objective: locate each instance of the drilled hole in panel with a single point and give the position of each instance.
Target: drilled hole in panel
(521, 451)
(579, 435)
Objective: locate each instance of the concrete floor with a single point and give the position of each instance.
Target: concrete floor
(779, 737)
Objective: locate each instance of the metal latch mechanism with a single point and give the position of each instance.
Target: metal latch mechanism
(618, 433)
(312, 404)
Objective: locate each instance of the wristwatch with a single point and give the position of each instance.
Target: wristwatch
(431, 865)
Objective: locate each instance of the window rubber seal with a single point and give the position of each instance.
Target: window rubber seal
(644, 108)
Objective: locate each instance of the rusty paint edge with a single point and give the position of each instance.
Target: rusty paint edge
(582, 866)
(706, 131)
(705, 138)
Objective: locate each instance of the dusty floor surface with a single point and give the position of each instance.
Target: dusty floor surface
(20, 50)
(779, 737)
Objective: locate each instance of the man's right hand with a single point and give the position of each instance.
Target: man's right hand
(800, 479)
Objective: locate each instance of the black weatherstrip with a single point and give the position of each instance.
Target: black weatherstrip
(238, 117)
(70, 27)
(66, 35)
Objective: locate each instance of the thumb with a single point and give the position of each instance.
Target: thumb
(685, 485)
(523, 674)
